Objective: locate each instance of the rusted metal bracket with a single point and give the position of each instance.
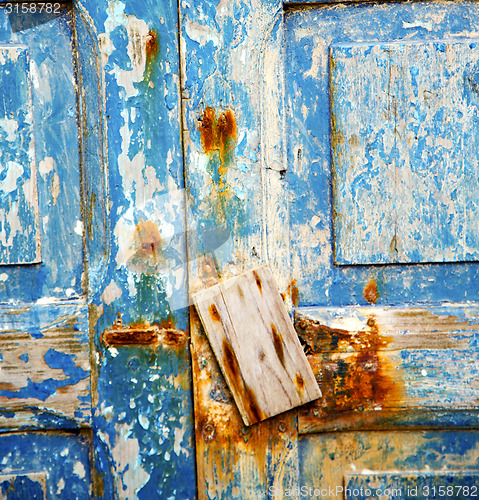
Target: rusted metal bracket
(143, 335)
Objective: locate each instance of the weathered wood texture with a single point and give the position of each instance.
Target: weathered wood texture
(309, 34)
(397, 366)
(46, 465)
(234, 461)
(403, 136)
(330, 459)
(44, 365)
(19, 238)
(232, 59)
(254, 341)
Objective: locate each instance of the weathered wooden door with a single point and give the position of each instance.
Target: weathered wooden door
(352, 169)
(45, 416)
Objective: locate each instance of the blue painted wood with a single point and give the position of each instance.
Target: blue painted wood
(309, 34)
(45, 465)
(20, 239)
(404, 152)
(142, 422)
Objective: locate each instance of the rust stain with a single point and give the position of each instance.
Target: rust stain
(144, 334)
(371, 293)
(214, 312)
(151, 46)
(278, 343)
(299, 382)
(294, 292)
(255, 413)
(354, 375)
(231, 362)
(207, 125)
(7, 386)
(258, 281)
(147, 248)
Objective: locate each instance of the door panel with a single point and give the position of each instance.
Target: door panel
(433, 212)
(45, 465)
(45, 364)
(332, 462)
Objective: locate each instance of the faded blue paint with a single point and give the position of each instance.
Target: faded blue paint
(143, 394)
(18, 204)
(55, 135)
(319, 281)
(62, 458)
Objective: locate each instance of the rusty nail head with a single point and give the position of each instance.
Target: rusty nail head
(315, 412)
(282, 427)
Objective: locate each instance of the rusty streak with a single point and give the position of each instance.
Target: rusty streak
(258, 281)
(152, 47)
(278, 343)
(354, 374)
(371, 293)
(144, 334)
(214, 312)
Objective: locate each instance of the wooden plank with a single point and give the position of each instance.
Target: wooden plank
(234, 461)
(256, 345)
(391, 366)
(44, 365)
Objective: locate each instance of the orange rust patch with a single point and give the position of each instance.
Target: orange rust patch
(258, 281)
(231, 362)
(278, 343)
(294, 292)
(254, 411)
(353, 372)
(370, 292)
(7, 386)
(226, 130)
(152, 47)
(207, 125)
(214, 312)
(299, 381)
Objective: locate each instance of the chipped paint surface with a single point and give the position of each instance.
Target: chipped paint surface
(56, 465)
(309, 34)
(142, 420)
(387, 367)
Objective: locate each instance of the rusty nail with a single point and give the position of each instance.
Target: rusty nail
(208, 432)
(282, 427)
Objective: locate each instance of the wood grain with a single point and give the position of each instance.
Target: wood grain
(255, 343)
(44, 364)
(391, 366)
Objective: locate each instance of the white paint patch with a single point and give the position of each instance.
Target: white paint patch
(424, 373)
(79, 228)
(10, 127)
(201, 33)
(113, 352)
(45, 166)
(14, 172)
(60, 486)
(79, 470)
(55, 189)
(144, 422)
(111, 293)
(3, 277)
(418, 24)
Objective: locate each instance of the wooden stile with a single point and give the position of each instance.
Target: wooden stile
(256, 345)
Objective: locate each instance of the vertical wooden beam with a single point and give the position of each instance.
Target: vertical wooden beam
(232, 154)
